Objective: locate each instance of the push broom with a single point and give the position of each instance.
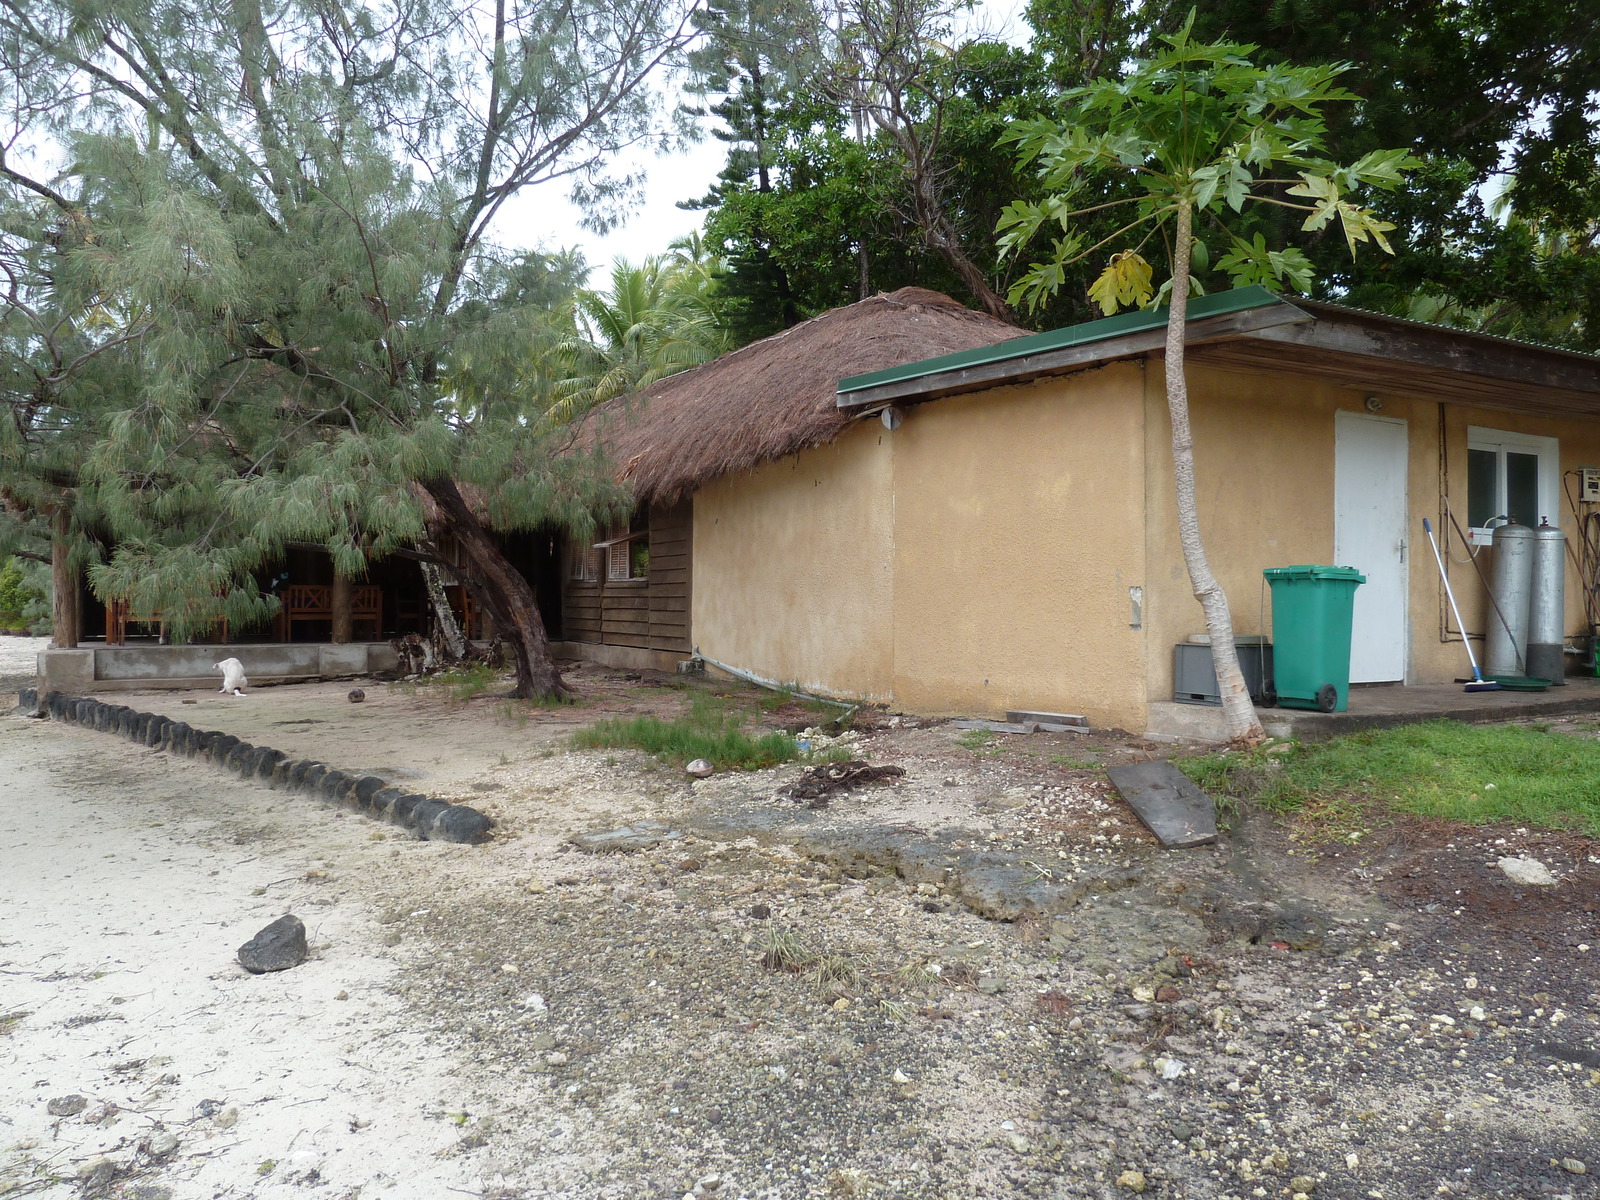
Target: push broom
(1477, 683)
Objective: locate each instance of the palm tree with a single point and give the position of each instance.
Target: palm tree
(655, 320)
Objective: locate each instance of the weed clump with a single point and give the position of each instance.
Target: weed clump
(710, 730)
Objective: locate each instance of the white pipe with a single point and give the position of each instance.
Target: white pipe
(773, 686)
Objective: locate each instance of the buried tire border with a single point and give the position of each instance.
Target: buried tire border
(430, 818)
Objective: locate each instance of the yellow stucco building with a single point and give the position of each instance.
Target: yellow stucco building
(995, 528)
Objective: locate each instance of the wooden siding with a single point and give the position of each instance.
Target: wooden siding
(652, 613)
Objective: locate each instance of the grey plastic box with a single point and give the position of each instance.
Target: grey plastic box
(1194, 677)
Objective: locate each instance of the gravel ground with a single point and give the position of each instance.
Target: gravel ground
(782, 1002)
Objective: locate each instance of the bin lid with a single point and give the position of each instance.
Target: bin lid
(1314, 572)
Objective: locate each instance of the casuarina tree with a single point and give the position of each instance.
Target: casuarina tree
(273, 232)
(1196, 134)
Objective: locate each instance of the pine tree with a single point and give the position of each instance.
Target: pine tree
(274, 239)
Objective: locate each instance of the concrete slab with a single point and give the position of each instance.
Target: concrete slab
(1046, 718)
(124, 668)
(1168, 801)
(995, 726)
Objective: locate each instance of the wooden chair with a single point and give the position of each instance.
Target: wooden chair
(366, 608)
(314, 602)
(302, 602)
(468, 615)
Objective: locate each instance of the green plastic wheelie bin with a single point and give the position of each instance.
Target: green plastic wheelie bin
(1311, 617)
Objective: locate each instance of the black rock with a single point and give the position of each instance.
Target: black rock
(312, 778)
(278, 947)
(220, 747)
(155, 731)
(459, 823)
(180, 738)
(356, 696)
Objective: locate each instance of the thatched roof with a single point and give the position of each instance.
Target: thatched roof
(777, 396)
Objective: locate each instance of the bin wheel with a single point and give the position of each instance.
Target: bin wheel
(1269, 698)
(1327, 697)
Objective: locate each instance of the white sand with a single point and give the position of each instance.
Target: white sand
(129, 880)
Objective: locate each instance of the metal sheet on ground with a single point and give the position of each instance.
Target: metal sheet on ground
(1168, 802)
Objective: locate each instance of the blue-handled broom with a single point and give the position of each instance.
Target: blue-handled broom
(1477, 683)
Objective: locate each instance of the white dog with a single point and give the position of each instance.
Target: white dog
(233, 679)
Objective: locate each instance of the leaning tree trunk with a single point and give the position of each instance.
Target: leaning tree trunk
(451, 640)
(1238, 713)
(504, 592)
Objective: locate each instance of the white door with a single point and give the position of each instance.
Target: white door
(1371, 529)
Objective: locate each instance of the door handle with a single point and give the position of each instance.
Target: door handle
(1402, 549)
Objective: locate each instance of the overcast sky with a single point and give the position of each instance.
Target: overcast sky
(543, 218)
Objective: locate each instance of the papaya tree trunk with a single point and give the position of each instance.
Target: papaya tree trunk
(1238, 713)
(503, 592)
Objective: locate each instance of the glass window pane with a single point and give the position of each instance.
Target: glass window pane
(1481, 492)
(1522, 487)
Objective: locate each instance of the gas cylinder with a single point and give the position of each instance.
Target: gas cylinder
(1510, 582)
(1546, 604)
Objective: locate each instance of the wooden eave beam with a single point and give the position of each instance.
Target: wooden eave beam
(1444, 350)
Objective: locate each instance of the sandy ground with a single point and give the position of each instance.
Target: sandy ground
(774, 1002)
(130, 883)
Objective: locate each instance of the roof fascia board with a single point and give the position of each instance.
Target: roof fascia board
(951, 381)
(1344, 332)
(1234, 300)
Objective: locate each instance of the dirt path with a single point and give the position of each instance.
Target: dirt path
(773, 1001)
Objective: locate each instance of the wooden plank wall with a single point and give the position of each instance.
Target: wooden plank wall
(652, 614)
(671, 544)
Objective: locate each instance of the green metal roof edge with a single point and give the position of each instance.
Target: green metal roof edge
(1220, 304)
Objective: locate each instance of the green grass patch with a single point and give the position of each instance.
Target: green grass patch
(982, 742)
(1477, 774)
(710, 730)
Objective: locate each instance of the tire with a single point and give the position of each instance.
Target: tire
(1327, 697)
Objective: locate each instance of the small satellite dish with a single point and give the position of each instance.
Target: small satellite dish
(892, 417)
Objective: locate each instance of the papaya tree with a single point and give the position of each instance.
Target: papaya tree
(1192, 138)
